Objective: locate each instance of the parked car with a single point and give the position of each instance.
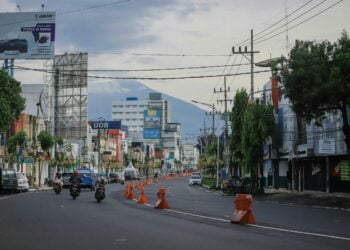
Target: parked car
(197, 173)
(22, 182)
(195, 180)
(113, 177)
(8, 180)
(65, 179)
(105, 178)
(129, 176)
(20, 45)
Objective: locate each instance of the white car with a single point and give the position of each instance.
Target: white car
(195, 180)
(22, 182)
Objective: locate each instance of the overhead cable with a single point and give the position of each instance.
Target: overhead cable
(141, 78)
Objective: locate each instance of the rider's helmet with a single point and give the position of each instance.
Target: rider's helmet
(75, 173)
(58, 175)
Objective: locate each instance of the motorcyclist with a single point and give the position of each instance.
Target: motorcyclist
(75, 180)
(58, 179)
(101, 184)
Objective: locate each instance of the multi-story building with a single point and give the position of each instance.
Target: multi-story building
(171, 143)
(305, 156)
(190, 155)
(131, 113)
(146, 121)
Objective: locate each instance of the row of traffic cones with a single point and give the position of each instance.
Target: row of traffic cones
(161, 202)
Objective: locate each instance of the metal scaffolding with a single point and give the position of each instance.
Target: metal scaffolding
(70, 97)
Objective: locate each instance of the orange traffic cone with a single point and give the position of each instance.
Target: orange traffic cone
(142, 199)
(126, 191)
(130, 194)
(243, 213)
(161, 202)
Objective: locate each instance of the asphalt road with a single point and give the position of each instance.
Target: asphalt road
(198, 219)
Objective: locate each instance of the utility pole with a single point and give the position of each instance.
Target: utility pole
(226, 117)
(213, 116)
(251, 60)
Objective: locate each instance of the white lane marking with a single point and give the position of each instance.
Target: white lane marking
(258, 226)
(121, 240)
(11, 196)
(197, 215)
(5, 197)
(300, 232)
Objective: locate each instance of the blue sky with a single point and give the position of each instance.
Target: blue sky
(112, 32)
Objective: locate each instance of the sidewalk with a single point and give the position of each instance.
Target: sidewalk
(42, 188)
(306, 198)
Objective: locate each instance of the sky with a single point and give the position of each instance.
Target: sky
(160, 34)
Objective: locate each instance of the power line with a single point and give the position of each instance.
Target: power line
(160, 69)
(298, 24)
(92, 7)
(71, 11)
(279, 21)
(141, 78)
(290, 21)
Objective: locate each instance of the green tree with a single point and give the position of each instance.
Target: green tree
(258, 125)
(317, 80)
(16, 141)
(11, 101)
(46, 142)
(237, 115)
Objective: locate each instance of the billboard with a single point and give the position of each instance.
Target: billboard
(152, 118)
(151, 128)
(151, 133)
(27, 35)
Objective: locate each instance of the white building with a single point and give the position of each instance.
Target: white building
(171, 142)
(190, 155)
(130, 112)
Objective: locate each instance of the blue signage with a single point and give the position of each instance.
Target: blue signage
(151, 133)
(105, 124)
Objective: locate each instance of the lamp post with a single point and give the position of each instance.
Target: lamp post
(212, 113)
(213, 132)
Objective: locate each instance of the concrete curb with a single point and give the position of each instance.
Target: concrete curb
(31, 189)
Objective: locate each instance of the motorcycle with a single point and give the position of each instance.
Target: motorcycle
(57, 188)
(232, 186)
(100, 192)
(74, 191)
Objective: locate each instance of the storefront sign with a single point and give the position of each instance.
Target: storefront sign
(326, 146)
(344, 171)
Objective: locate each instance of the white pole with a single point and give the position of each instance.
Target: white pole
(217, 166)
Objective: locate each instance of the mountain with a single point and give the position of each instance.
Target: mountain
(101, 95)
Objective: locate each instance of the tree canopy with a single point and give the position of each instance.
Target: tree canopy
(237, 115)
(11, 101)
(318, 79)
(18, 139)
(46, 140)
(258, 125)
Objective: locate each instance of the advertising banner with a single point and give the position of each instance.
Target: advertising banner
(152, 118)
(151, 133)
(27, 35)
(274, 90)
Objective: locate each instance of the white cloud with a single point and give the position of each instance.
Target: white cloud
(184, 27)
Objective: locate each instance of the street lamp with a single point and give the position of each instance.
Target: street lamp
(217, 154)
(212, 113)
